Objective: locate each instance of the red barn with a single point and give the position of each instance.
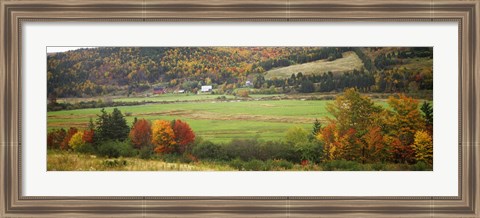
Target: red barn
(159, 90)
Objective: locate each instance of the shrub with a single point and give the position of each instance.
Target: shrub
(254, 165)
(114, 149)
(55, 138)
(281, 150)
(244, 149)
(420, 166)
(108, 149)
(222, 97)
(310, 151)
(237, 164)
(114, 163)
(243, 93)
(208, 150)
(146, 152)
(87, 148)
(250, 149)
(342, 165)
(76, 141)
(296, 135)
(379, 167)
(283, 164)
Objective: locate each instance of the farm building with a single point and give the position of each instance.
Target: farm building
(206, 88)
(159, 90)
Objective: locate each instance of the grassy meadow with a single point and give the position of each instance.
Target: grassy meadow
(348, 62)
(215, 120)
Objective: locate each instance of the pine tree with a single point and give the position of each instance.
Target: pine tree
(317, 126)
(111, 126)
(119, 128)
(427, 110)
(91, 126)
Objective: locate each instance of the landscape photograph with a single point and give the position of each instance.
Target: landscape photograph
(239, 108)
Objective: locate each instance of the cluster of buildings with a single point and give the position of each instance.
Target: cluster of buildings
(162, 90)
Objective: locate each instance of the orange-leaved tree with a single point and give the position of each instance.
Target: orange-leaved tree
(184, 135)
(163, 137)
(405, 120)
(141, 133)
(374, 150)
(338, 144)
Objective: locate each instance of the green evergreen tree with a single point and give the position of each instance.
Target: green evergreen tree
(91, 126)
(317, 126)
(111, 126)
(119, 129)
(427, 110)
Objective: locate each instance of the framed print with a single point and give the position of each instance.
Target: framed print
(233, 108)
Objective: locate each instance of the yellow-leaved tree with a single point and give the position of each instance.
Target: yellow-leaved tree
(423, 147)
(163, 137)
(76, 141)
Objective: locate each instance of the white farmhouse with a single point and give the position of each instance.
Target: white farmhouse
(206, 88)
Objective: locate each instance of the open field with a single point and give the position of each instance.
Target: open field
(218, 121)
(349, 62)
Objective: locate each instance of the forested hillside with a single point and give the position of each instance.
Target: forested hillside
(106, 70)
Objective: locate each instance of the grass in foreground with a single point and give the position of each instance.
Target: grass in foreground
(70, 161)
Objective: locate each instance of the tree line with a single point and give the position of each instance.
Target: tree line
(108, 70)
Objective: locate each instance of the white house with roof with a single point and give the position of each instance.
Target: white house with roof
(206, 88)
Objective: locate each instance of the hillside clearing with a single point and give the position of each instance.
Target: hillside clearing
(349, 62)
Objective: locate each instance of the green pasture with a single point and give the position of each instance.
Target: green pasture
(218, 121)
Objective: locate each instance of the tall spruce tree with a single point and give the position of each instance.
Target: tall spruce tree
(112, 126)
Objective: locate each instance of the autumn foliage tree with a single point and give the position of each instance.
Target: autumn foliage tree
(64, 145)
(363, 132)
(423, 147)
(141, 134)
(88, 135)
(352, 110)
(76, 141)
(184, 135)
(404, 121)
(163, 137)
(374, 149)
(354, 115)
(55, 138)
